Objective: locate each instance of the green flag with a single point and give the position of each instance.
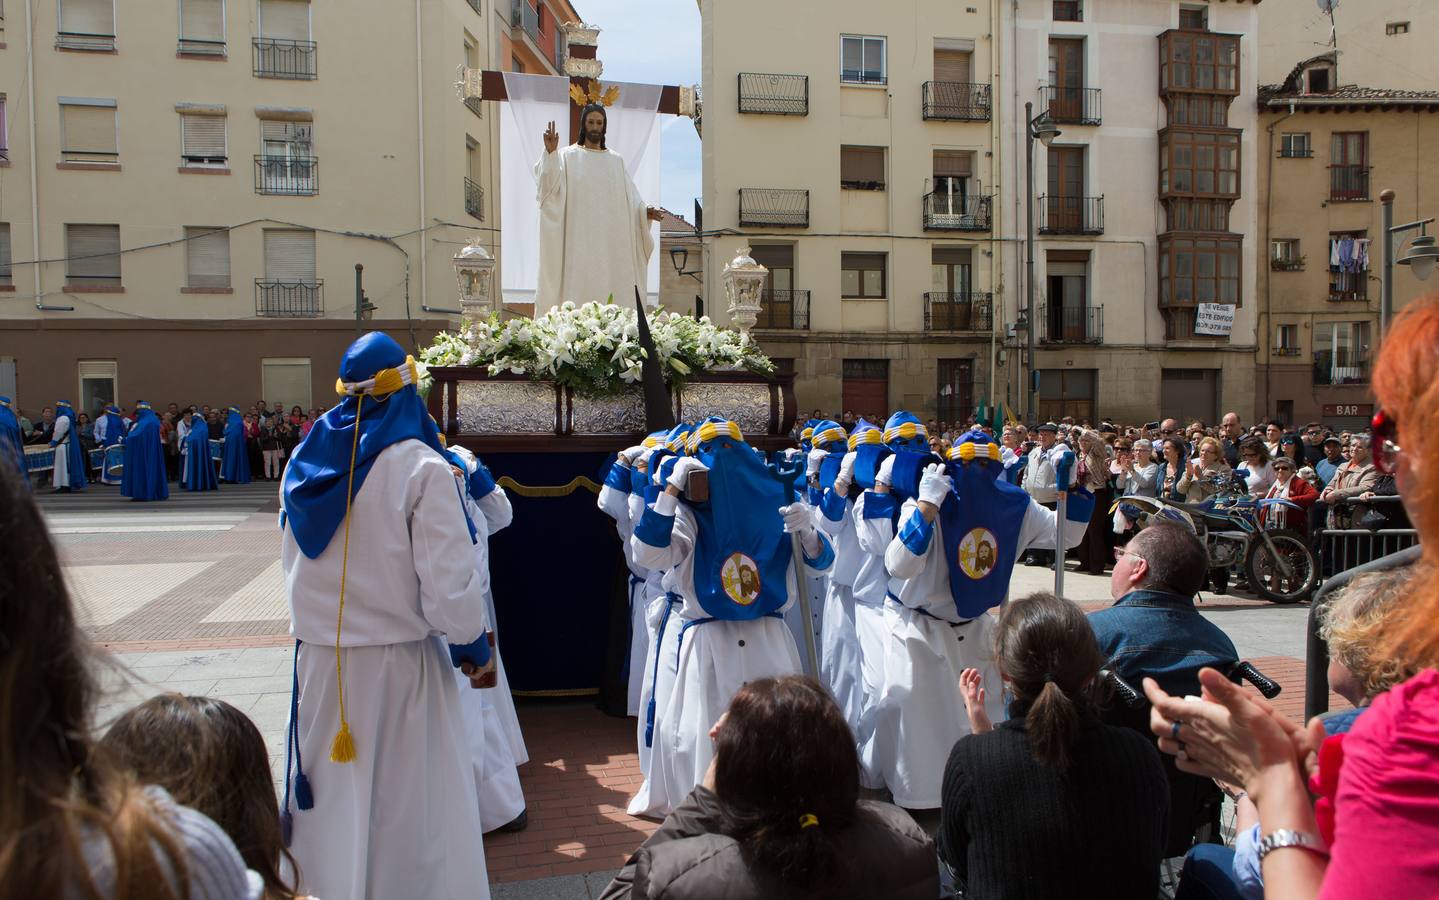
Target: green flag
(981, 414)
(998, 422)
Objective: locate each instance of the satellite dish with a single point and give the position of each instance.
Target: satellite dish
(1327, 6)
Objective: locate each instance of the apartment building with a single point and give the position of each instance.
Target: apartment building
(854, 153)
(1145, 205)
(187, 189)
(1330, 147)
(1379, 43)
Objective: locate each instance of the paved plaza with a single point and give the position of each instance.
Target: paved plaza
(187, 595)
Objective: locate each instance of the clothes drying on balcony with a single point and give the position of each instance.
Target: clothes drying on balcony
(1349, 254)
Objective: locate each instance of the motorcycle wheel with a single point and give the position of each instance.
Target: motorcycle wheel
(1264, 576)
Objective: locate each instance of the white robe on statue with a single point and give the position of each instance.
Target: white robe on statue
(400, 820)
(595, 239)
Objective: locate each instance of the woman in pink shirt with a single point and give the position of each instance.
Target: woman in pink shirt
(1374, 831)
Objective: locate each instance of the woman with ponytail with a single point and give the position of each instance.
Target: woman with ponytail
(1052, 802)
(778, 816)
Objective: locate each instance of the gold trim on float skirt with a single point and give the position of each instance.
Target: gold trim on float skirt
(564, 490)
(577, 692)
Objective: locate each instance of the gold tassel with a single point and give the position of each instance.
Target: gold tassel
(343, 748)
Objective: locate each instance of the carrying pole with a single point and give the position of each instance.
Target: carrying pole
(802, 581)
(1059, 511)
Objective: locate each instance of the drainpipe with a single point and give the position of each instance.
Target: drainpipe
(996, 261)
(1265, 317)
(34, 196)
(420, 121)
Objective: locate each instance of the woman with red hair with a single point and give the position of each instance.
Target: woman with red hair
(1375, 829)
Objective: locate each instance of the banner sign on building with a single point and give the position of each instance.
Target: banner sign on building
(1214, 319)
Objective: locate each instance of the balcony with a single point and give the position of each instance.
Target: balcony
(475, 5)
(1071, 215)
(1071, 324)
(1348, 287)
(968, 311)
(198, 47)
(474, 199)
(783, 310)
(1286, 351)
(77, 40)
(290, 299)
(781, 207)
(955, 101)
(526, 17)
(1341, 367)
(1295, 153)
(294, 176)
(776, 95)
(1286, 265)
(475, 105)
(281, 58)
(956, 212)
(1072, 105)
(1349, 182)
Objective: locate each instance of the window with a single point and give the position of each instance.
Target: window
(952, 63)
(953, 184)
(92, 257)
(1193, 61)
(1198, 270)
(861, 276)
(202, 27)
(1194, 18)
(1319, 79)
(1065, 314)
(286, 380)
(1067, 392)
(86, 25)
(207, 257)
(285, 19)
(1349, 165)
(1199, 162)
(1197, 109)
(472, 63)
(1186, 214)
(4, 129)
(1341, 352)
(1286, 340)
(202, 140)
(954, 401)
(1348, 266)
(6, 278)
(861, 168)
(98, 378)
(516, 65)
(87, 131)
(861, 59)
(287, 164)
(474, 177)
(1069, 10)
(1284, 255)
(1396, 28)
(1295, 144)
(290, 255)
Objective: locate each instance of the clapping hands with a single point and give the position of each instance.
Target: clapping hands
(971, 687)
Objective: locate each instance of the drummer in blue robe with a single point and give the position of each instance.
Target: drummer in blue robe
(70, 463)
(235, 453)
(143, 477)
(110, 431)
(199, 472)
(12, 441)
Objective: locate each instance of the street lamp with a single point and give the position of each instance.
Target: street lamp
(1043, 129)
(475, 269)
(1419, 259)
(1421, 256)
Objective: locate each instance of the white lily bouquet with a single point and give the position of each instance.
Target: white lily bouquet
(594, 349)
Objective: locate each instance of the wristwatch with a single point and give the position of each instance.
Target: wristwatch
(1280, 838)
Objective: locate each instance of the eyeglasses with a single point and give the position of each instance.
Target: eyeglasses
(1120, 553)
(1385, 429)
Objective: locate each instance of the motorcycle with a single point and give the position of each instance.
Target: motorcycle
(1238, 531)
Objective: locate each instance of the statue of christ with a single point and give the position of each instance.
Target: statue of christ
(594, 228)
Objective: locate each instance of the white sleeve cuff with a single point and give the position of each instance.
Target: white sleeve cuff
(666, 504)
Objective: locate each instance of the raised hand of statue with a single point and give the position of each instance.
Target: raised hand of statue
(552, 139)
(653, 214)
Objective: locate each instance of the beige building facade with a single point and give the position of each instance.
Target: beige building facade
(1381, 43)
(1329, 155)
(188, 188)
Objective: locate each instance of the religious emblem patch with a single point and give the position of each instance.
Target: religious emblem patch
(740, 577)
(978, 553)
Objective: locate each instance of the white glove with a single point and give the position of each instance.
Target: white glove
(642, 459)
(935, 485)
(885, 476)
(846, 474)
(798, 519)
(1056, 456)
(811, 466)
(686, 465)
(627, 456)
(791, 452)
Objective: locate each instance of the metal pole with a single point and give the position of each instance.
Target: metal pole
(1059, 510)
(1033, 401)
(802, 583)
(1386, 289)
(359, 296)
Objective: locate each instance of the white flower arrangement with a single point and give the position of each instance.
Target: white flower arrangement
(594, 349)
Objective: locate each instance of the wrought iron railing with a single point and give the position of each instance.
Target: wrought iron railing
(475, 5)
(1287, 265)
(474, 199)
(80, 40)
(1295, 152)
(290, 299)
(1347, 287)
(1349, 182)
(1071, 215)
(476, 106)
(283, 58)
(956, 100)
(956, 212)
(780, 95)
(1341, 367)
(967, 311)
(527, 17)
(1072, 105)
(1071, 324)
(785, 310)
(287, 175)
(198, 47)
(784, 207)
(1286, 351)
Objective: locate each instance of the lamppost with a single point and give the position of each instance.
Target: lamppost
(743, 286)
(679, 257)
(364, 309)
(1419, 259)
(1042, 128)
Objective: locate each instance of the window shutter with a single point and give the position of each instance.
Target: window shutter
(87, 17)
(4, 127)
(207, 257)
(5, 273)
(283, 131)
(951, 256)
(862, 165)
(89, 132)
(953, 163)
(289, 255)
(851, 57)
(202, 20)
(94, 253)
(202, 139)
(952, 65)
(285, 19)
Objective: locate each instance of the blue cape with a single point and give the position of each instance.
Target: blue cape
(144, 475)
(980, 529)
(79, 465)
(12, 442)
(199, 472)
(313, 494)
(235, 454)
(114, 429)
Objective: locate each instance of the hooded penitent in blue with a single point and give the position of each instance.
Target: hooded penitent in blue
(235, 454)
(74, 453)
(199, 464)
(12, 442)
(313, 493)
(114, 427)
(144, 475)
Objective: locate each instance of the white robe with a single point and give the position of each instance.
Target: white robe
(400, 819)
(871, 583)
(60, 475)
(615, 504)
(839, 655)
(595, 239)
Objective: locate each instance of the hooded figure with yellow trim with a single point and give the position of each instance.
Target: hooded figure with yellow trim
(379, 566)
(950, 562)
(730, 566)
